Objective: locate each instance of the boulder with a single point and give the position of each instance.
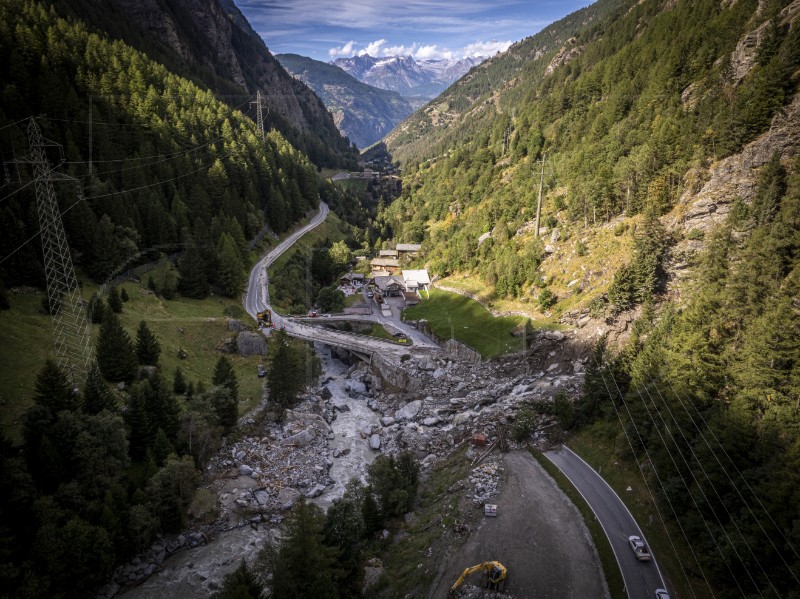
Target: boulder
(304, 437)
(251, 343)
(375, 441)
(408, 411)
(245, 470)
(325, 393)
(355, 388)
(261, 496)
(462, 418)
(555, 235)
(287, 497)
(387, 421)
(431, 421)
(549, 249)
(236, 326)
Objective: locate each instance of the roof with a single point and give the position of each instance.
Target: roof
(408, 247)
(385, 282)
(390, 262)
(388, 253)
(420, 277)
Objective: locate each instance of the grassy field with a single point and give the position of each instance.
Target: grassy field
(197, 326)
(597, 446)
(454, 316)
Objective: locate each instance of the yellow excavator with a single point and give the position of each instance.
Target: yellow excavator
(496, 574)
(264, 318)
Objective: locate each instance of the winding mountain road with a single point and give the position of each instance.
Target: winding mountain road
(257, 299)
(641, 578)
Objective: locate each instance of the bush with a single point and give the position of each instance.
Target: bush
(547, 299)
(696, 235)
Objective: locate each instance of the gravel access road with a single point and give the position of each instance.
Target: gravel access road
(538, 535)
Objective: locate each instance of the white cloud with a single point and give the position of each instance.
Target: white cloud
(373, 48)
(346, 50)
(380, 48)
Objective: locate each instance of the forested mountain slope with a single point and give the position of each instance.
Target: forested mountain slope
(363, 113)
(669, 133)
(162, 163)
(211, 43)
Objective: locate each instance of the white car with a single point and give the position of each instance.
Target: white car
(662, 594)
(639, 548)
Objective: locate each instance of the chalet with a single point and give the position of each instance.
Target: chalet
(416, 281)
(388, 254)
(390, 264)
(409, 249)
(353, 279)
(389, 286)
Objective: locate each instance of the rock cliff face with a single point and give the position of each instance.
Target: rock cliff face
(210, 41)
(362, 112)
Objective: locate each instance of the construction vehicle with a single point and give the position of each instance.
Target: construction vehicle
(495, 572)
(264, 318)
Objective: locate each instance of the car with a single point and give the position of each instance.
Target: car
(640, 548)
(399, 334)
(370, 294)
(662, 594)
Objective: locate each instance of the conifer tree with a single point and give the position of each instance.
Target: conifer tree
(285, 378)
(147, 347)
(114, 300)
(115, 354)
(96, 395)
(179, 386)
(225, 376)
(304, 565)
(123, 295)
(193, 278)
(53, 390)
(95, 309)
(230, 272)
(242, 583)
(141, 435)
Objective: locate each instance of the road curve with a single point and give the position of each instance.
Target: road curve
(257, 299)
(641, 578)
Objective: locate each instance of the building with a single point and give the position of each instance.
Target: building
(360, 308)
(409, 249)
(353, 279)
(388, 254)
(388, 264)
(416, 281)
(391, 286)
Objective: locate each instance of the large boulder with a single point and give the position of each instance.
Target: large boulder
(304, 437)
(250, 343)
(408, 411)
(287, 497)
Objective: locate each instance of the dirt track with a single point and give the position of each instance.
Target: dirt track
(538, 535)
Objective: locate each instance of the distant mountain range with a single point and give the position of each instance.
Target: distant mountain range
(361, 112)
(410, 78)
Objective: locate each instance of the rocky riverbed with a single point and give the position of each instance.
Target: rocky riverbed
(428, 405)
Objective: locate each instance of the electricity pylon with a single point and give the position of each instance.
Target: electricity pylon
(71, 335)
(259, 115)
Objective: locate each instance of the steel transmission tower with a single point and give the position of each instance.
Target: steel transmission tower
(259, 114)
(71, 335)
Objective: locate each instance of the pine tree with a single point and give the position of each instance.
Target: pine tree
(124, 295)
(193, 278)
(96, 395)
(114, 300)
(304, 565)
(147, 347)
(231, 271)
(225, 376)
(242, 583)
(53, 390)
(141, 435)
(95, 309)
(285, 378)
(226, 408)
(179, 386)
(115, 354)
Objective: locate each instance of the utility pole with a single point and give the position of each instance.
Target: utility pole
(71, 336)
(539, 202)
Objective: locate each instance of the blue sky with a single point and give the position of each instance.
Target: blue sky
(325, 29)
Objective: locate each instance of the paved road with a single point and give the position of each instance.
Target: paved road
(538, 535)
(257, 299)
(641, 578)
